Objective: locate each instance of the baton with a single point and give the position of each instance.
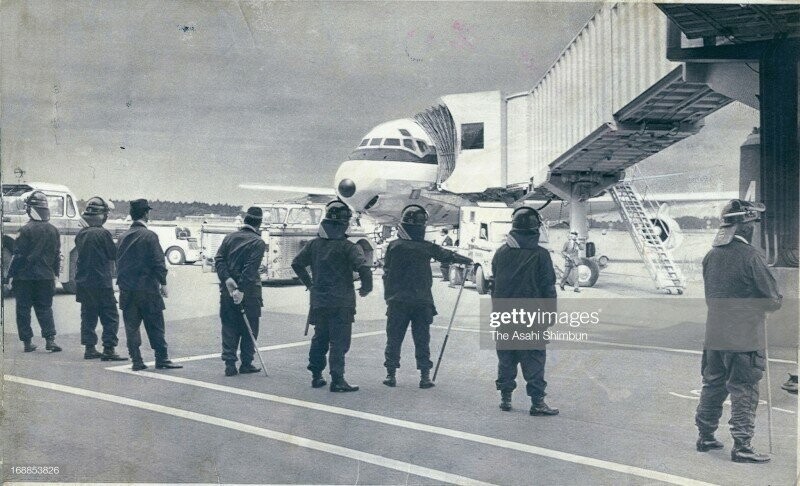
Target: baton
(452, 317)
(308, 322)
(253, 337)
(769, 387)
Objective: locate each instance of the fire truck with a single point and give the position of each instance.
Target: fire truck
(64, 216)
(286, 228)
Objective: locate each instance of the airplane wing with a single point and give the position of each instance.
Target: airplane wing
(312, 191)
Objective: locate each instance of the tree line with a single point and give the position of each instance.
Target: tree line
(170, 210)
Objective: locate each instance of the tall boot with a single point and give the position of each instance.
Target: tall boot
(317, 381)
(743, 452)
(91, 353)
(538, 407)
(707, 442)
(136, 358)
(505, 400)
(230, 368)
(28, 346)
(110, 355)
(338, 384)
(50, 345)
(390, 380)
(425, 379)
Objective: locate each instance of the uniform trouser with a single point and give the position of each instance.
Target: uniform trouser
(532, 362)
(98, 303)
(445, 268)
(737, 374)
(234, 330)
(332, 330)
(399, 315)
(39, 295)
(570, 267)
(144, 307)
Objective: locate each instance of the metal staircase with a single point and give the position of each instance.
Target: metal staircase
(637, 212)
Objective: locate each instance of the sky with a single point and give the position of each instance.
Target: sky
(185, 100)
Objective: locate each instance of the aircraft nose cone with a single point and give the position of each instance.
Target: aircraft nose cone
(347, 187)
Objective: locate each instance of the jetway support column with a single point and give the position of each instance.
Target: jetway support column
(780, 157)
(578, 220)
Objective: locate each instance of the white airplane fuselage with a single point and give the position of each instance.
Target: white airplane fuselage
(393, 167)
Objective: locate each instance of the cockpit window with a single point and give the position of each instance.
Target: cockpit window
(364, 142)
(422, 146)
(375, 141)
(393, 142)
(403, 131)
(408, 143)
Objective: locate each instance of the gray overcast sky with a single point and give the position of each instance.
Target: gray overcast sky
(205, 95)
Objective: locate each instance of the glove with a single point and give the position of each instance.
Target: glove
(231, 285)
(363, 292)
(163, 291)
(8, 286)
(237, 296)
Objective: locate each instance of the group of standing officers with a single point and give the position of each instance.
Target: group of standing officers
(733, 356)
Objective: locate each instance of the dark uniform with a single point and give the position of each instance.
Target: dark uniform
(239, 258)
(332, 259)
(35, 266)
(94, 289)
(407, 290)
(739, 289)
(141, 271)
(522, 269)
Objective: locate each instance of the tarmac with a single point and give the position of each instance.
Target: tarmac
(627, 397)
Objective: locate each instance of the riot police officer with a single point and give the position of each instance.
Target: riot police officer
(237, 262)
(94, 289)
(739, 290)
(142, 281)
(523, 270)
(34, 266)
(333, 259)
(407, 290)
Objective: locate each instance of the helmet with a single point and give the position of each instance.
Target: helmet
(97, 206)
(525, 218)
(338, 211)
(739, 211)
(414, 214)
(37, 207)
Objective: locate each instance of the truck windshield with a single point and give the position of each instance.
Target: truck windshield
(274, 215)
(308, 216)
(16, 205)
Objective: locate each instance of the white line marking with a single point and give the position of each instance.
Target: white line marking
(295, 440)
(263, 348)
(457, 434)
(624, 345)
(726, 402)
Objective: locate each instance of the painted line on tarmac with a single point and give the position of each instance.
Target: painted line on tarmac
(696, 396)
(294, 440)
(432, 429)
(263, 348)
(624, 345)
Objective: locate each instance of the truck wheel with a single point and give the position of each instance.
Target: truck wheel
(480, 282)
(70, 287)
(588, 273)
(175, 256)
